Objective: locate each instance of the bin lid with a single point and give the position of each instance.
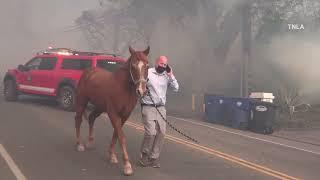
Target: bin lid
(215, 98)
(261, 95)
(242, 103)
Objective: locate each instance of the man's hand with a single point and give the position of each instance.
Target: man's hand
(169, 71)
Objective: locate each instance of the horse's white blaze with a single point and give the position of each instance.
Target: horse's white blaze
(140, 65)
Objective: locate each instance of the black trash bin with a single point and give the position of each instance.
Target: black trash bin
(215, 108)
(263, 116)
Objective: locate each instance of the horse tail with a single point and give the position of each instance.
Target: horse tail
(84, 77)
(80, 89)
(87, 73)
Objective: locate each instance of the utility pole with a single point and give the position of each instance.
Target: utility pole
(246, 47)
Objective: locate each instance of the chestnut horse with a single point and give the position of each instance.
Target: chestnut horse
(115, 94)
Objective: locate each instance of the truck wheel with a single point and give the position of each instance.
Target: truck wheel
(10, 90)
(66, 98)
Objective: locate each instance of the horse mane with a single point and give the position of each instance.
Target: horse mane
(125, 69)
(125, 66)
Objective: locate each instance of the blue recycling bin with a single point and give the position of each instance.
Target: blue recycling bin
(216, 108)
(240, 113)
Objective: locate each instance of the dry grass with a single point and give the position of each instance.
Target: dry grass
(303, 120)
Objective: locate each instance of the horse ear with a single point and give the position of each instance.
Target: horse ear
(132, 51)
(146, 52)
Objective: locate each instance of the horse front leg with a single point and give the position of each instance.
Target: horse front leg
(112, 154)
(117, 125)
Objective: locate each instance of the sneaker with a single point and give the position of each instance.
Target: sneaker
(144, 160)
(155, 163)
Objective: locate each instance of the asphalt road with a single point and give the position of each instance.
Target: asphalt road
(39, 138)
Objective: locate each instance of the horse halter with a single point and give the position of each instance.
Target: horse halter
(132, 78)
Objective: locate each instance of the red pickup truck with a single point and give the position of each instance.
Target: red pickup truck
(56, 73)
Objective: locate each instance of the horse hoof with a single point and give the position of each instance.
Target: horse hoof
(80, 148)
(113, 159)
(90, 145)
(127, 171)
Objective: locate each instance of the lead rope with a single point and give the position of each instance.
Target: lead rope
(169, 124)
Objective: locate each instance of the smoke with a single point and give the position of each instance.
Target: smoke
(298, 58)
(28, 26)
(32, 25)
(190, 48)
(193, 45)
(190, 52)
(291, 58)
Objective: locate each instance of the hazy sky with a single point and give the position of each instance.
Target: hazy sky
(58, 13)
(42, 16)
(32, 25)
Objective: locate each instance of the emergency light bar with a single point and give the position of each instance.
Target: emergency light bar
(69, 52)
(60, 51)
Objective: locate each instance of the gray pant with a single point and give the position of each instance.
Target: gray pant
(155, 129)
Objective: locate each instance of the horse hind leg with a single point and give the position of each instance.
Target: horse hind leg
(92, 117)
(80, 108)
(78, 121)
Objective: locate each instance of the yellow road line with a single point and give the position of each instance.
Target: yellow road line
(228, 157)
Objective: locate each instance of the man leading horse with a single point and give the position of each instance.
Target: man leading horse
(160, 77)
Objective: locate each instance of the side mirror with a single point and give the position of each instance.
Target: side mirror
(22, 68)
